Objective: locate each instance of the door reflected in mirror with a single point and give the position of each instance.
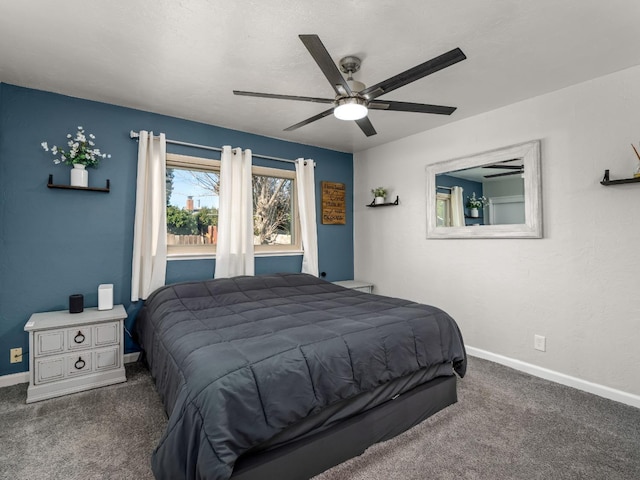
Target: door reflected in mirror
(492, 194)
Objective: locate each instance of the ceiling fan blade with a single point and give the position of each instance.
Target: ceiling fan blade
(411, 107)
(366, 126)
(323, 59)
(504, 174)
(505, 167)
(309, 120)
(283, 97)
(430, 66)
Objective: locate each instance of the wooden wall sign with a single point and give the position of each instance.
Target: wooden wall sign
(334, 211)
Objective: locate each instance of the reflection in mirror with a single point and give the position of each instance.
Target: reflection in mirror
(489, 195)
(492, 194)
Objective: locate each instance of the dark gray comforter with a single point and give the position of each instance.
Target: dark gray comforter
(238, 360)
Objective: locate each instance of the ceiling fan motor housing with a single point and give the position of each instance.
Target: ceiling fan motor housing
(350, 64)
(355, 85)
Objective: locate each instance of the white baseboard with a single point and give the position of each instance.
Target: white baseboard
(131, 357)
(596, 389)
(561, 378)
(14, 379)
(23, 377)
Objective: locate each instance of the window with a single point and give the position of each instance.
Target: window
(443, 210)
(275, 219)
(192, 207)
(192, 204)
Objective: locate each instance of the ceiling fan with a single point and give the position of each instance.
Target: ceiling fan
(353, 99)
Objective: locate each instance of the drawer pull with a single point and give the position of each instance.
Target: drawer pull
(80, 363)
(79, 338)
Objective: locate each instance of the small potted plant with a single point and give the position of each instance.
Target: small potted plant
(82, 154)
(379, 194)
(474, 203)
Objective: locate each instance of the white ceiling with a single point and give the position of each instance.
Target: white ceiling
(184, 58)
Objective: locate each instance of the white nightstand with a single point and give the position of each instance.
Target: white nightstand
(356, 285)
(72, 352)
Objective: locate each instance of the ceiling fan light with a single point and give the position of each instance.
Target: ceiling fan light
(351, 108)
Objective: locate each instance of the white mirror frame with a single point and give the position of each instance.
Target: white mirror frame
(532, 228)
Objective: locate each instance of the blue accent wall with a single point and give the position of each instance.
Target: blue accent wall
(54, 243)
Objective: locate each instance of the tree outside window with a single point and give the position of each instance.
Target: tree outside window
(193, 199)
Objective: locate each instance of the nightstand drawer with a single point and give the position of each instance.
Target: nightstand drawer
(79, 338)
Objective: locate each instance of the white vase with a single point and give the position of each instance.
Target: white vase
(379, 200)
(474, 212)
(79, 176)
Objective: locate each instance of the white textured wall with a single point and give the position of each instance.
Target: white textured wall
(579, 285)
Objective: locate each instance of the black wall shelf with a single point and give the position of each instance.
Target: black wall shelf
(606, 181)
(374, 204)
(50, 184)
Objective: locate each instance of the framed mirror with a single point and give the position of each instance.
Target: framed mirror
(496, 194)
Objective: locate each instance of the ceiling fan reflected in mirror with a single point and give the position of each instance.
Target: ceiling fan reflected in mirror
(353, 99)
(507, 169)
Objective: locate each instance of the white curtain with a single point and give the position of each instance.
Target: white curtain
(457, 207)
(149, 263)
(307, 207)
(234, 251)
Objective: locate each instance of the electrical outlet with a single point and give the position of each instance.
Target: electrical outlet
(16, 355)
(540, 343)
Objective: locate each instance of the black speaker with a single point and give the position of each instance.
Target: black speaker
(76, 303)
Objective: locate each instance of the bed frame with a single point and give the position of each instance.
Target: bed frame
(314, 454)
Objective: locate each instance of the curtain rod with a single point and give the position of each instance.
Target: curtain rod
(445, 188)
(136, 135)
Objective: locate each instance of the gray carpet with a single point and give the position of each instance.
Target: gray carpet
(509, 425)
(107, 433)
(506, 425)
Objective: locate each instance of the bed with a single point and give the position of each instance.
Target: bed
(285, 375)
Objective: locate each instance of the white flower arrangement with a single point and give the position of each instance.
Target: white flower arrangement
(81, 151)
(473, 202)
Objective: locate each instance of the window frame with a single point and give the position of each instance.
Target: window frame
(446, 199)
(189, 252)
(296, 245)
